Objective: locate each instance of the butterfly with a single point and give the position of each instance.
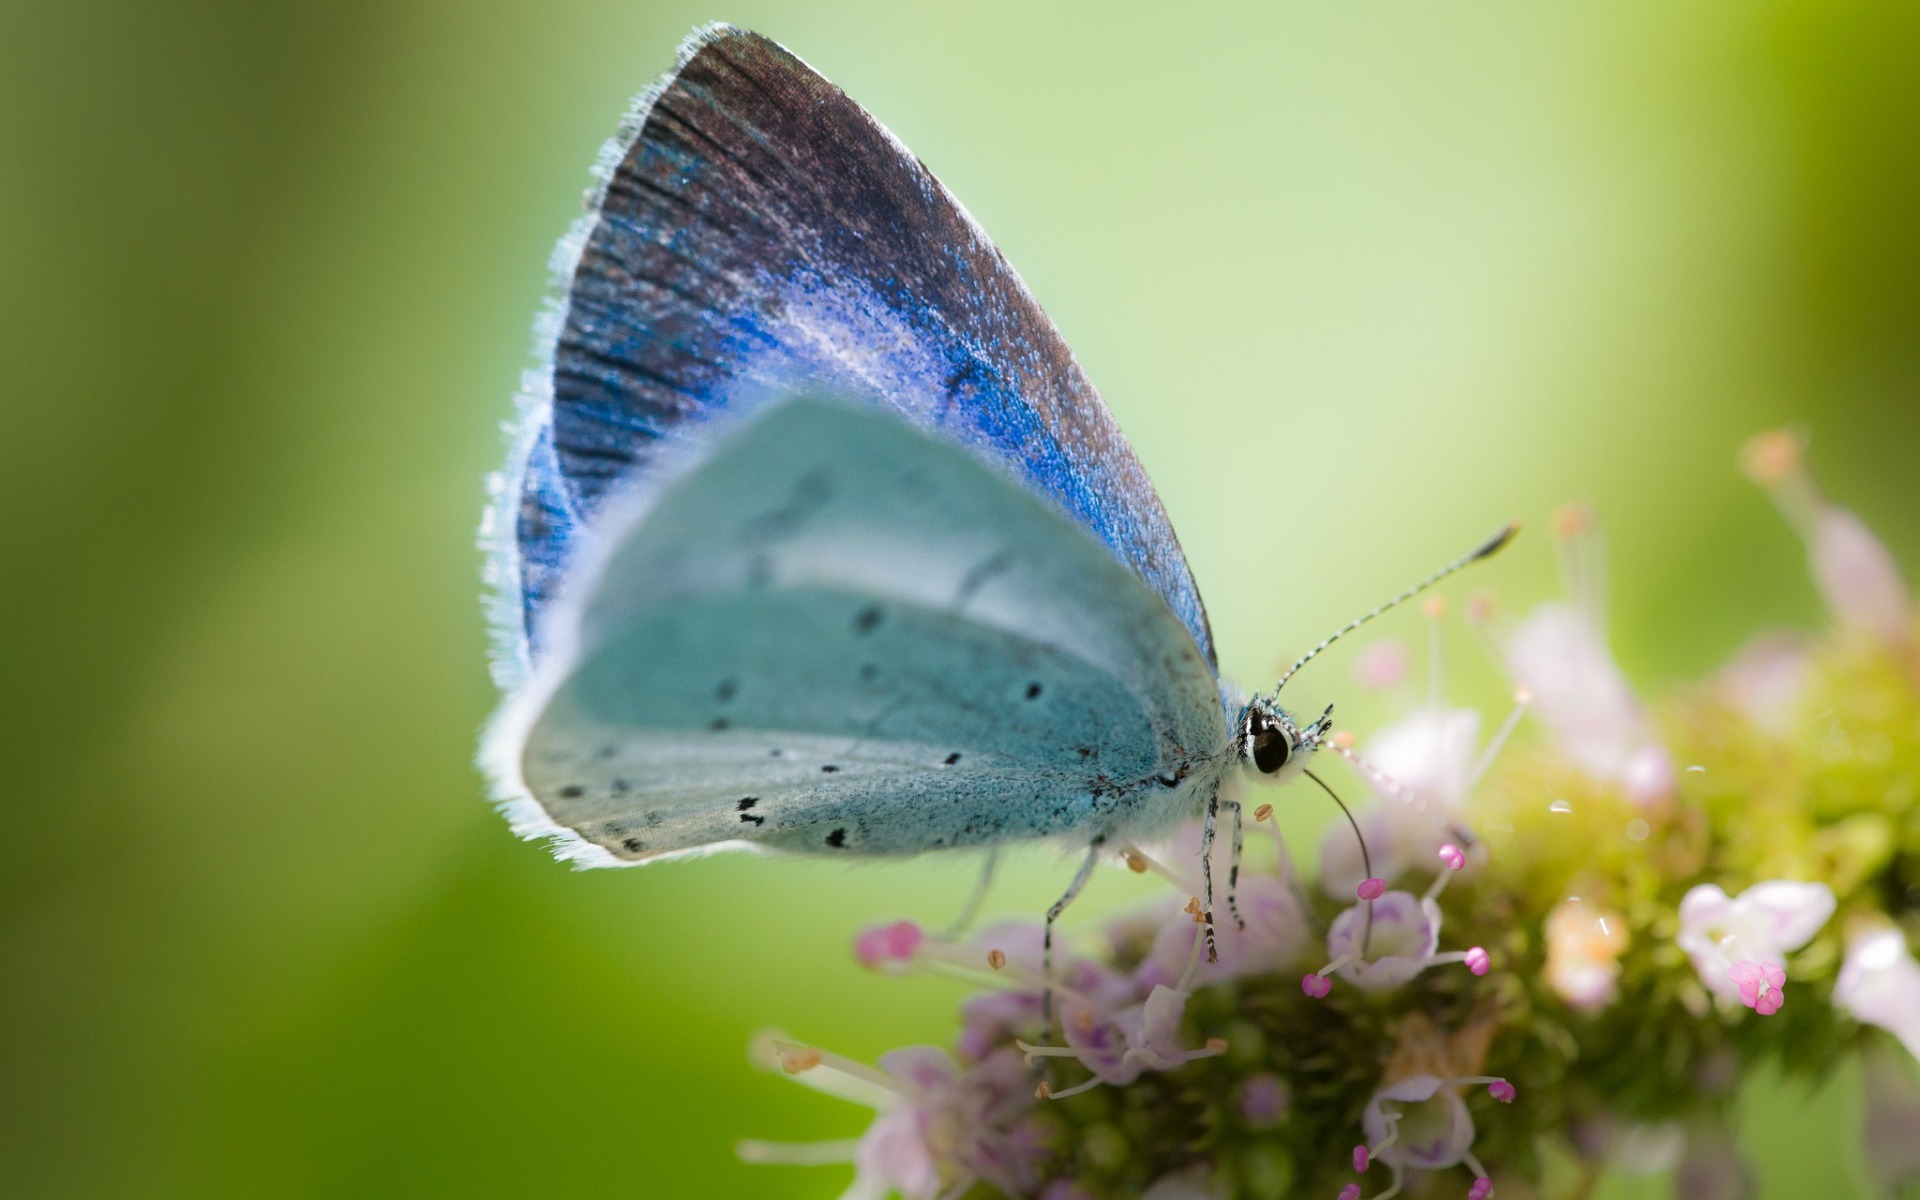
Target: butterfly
(814, 536)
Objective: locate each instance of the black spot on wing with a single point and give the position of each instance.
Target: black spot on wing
(868, 619)
(573, 791)
(837, 838)
(953, 758)
(726, 690)
(1033, 691)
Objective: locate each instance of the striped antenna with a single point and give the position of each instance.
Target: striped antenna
(1486, 549)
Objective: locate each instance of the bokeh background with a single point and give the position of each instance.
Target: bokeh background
(1359, 280)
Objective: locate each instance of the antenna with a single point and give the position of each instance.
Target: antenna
(1486, 549)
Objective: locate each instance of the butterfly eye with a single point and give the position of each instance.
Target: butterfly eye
(1271, 749)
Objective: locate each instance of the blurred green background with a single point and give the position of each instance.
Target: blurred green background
(1385, 273)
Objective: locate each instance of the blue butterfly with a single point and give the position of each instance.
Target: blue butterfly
(814, 537)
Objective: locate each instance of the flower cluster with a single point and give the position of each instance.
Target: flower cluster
(1577, 940)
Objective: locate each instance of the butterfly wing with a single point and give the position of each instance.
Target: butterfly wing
(833, 632)
(758, 234)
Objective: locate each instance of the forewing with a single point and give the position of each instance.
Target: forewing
(833, 632)
(757, 234)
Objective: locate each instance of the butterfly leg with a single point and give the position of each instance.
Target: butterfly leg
(964, 921)
(1233, 868)
(1053, 914)
(1206, 873)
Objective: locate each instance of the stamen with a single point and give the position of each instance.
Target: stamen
(1318, 984)
(1482, 1188)
(1366, 859)
(1140, 862)
(797, 1154)
(1193, 961)
(1284, 862)
(795, 1059)
(824, 1071)
(1075, 1090)
(1522, 699)
(1032, 1052)
(1454, 857)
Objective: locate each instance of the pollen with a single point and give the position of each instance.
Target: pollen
(795, 1059)
(1136, 862)
(1769, 458)
(997, 959)
(1263, 813)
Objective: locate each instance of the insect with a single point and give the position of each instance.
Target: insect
(814, 537)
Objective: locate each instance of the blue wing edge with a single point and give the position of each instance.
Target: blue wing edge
(530, 456)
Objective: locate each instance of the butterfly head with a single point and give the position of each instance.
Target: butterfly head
(1273, 743)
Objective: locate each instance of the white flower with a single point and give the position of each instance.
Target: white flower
(1764, 924)
(1880, 984)
(1559, 654)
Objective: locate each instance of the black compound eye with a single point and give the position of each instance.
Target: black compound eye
(1271, 749)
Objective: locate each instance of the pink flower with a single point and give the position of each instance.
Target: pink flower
(1404, 939)
(1429, 1122)
(1856, 575)
(1760, 985)
(1386, 942)
(1275, 937)
(887, 943)
(1764, 924)
(939, 1126)
(1559, 655)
